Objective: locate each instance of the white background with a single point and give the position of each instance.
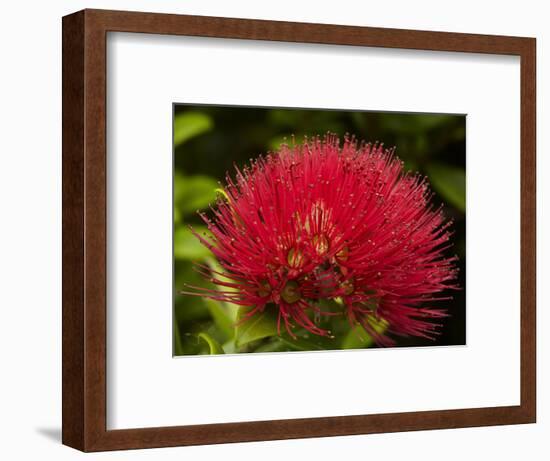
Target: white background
(30, 243)
(146, 386)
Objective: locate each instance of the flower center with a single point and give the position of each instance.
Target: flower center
(347, 287)
(295, 258)
(320, 243)
(291, 292)
(264, 289)
(343, 254)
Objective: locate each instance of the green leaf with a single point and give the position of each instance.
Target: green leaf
(189, 247)
(178, 347)
(222, 192)
(229, 347)
(285, 117)
(302, 344)
(275, 345)
(261, 325)
(215, 347)
(232, 310)
(420, 123)
(219, 312)
(192, 193)
(177, 216)
(450, 183)
(188, 125)
(358, 338)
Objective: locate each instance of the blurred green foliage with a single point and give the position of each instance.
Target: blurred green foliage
(210, 140)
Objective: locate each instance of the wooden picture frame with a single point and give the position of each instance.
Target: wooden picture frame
(85, 221)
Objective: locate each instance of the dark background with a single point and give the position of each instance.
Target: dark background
(209, 140)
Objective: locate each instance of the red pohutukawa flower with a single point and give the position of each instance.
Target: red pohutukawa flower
(324, 221)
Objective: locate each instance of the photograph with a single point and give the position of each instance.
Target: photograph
(308, 229)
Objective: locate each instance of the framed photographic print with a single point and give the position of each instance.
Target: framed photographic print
(305, 214)
(280, 230)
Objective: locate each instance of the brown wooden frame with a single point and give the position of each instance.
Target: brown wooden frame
(84, 229)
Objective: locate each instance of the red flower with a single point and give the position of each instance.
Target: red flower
(322, 221)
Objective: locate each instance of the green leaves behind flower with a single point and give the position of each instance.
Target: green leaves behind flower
(420, 123)
(188, 125)
(178, 346)
(358, 338)
(213, 345)
(229, 332)
(259, 333)
(189, 247)
(261, 325)
(223, 317)
(192, 193)
(450, 182)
